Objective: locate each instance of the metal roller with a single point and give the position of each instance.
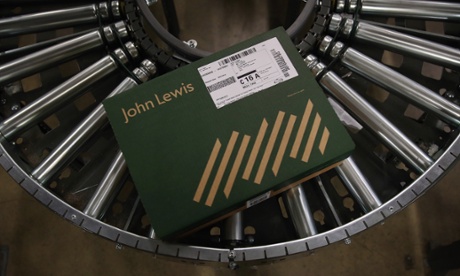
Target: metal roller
(392, 137)
(398, 42)
(129, 220)
(151, 233)
(300, 213)
(51, 101)
(329, 204)
(233, 229)
(60, 53)
(60, 156)
(358, 185)
(10, 54)
(39, 22)
(393, 81)
(105, 190)
(431, 10)
(340, 5)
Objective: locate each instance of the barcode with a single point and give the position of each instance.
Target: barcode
(281, 62)
(221, 84)
(237, 56)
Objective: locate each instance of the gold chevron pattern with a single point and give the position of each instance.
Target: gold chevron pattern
(269, 154)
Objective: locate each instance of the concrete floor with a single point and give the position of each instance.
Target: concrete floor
(42, 243)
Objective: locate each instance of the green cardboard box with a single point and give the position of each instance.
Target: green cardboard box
(225, 132)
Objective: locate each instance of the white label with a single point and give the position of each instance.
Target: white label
(258, 199)
(247, 72)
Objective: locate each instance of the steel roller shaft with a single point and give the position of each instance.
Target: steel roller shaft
(358, 185)
(151, 233)
(63, 93)
(328, 200)
(432, 10)
(300, 213)
(10, 54)
(394, 81)
(130, 218)
(49, 20)
(388, 134)
(87, 128)
(398, 42)
(100, 200)
(233, 229)
(60, 53)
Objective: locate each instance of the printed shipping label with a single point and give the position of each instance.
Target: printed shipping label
(247, 72)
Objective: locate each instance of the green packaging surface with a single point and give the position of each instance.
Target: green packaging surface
(225, 132)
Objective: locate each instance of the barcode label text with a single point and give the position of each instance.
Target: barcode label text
(237, 56)
(221, 84)
(281, 62)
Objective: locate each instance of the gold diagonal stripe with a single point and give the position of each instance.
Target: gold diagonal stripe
(284, 142)
(324, 140)
(221, 169)
(255, 150)
(311, 138)
(269, 148)
(302, 128)
(236, 165)
(207, 171)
